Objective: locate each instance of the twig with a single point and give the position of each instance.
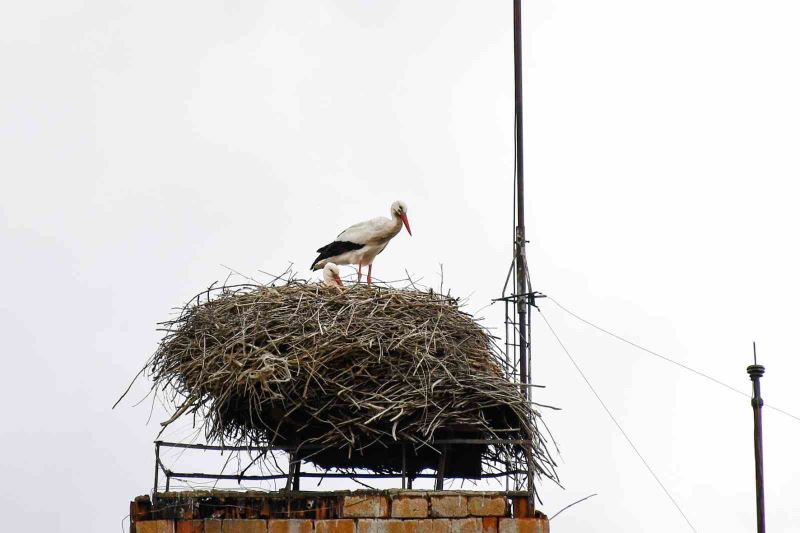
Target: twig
(570, 505)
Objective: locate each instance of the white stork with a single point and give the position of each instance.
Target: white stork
(360, 243)
(330, 276)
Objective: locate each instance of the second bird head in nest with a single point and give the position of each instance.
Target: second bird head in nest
(330, 276)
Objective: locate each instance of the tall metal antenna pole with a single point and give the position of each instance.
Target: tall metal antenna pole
(756, 371)
(523, 284)
(519, 244)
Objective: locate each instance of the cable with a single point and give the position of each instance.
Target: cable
(570, 505)
(608, 412)
(665, 358)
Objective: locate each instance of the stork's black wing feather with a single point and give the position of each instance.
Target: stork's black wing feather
(335, 248)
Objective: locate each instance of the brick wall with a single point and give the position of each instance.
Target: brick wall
(392, 511)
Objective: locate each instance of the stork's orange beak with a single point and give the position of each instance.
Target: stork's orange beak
(405, 222)
(338, 280)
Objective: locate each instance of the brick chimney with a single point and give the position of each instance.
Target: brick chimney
(386, 511)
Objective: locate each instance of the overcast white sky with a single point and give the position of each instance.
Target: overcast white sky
(144, 144)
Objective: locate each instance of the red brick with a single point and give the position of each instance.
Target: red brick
(326, 508)
(290, 526)
(409, 507)
(189, 526)
(155, 526)
(417, 526)
(140, 508)
(524, 525)
(449, 506)
(519, 507)
(441, 525)
(489, 524)
(344, 525)
(212, 525)
(374, 526)
(487, 505)
(395, 526)
(366, 506)
(466, 525)
(244, 526)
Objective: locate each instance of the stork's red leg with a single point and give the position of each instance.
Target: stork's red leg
(369, 275)
(359, 272)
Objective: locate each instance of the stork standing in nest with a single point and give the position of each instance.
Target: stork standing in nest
(361, 243)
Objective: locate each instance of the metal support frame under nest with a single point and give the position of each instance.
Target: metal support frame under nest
(292, 477)
(518, 356)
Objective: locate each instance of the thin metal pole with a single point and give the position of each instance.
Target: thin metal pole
(403, 467)
(290, 473)
(756, 371)
(519, 245)
(296, 482)
(155, 482)
(523, 321)
(441, 469)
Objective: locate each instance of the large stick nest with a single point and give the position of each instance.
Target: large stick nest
(351, 375)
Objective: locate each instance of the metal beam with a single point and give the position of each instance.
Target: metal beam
(202, 475)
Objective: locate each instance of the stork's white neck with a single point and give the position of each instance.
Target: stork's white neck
(385, 229)
(397, 223)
